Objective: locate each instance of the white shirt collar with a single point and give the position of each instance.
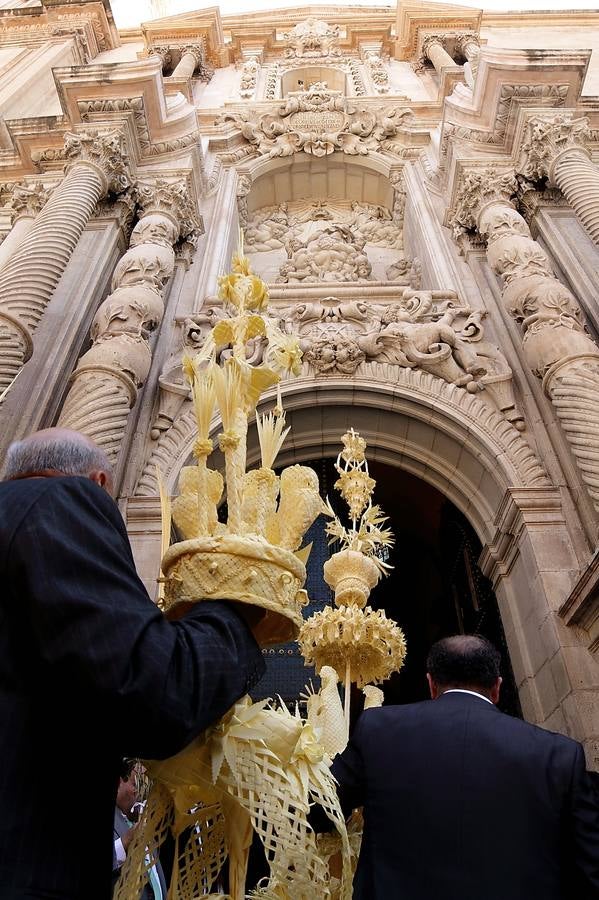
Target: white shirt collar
(464, 691)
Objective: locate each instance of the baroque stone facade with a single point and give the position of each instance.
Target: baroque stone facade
(420, 189)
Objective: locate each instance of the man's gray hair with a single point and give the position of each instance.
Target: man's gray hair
(65, 454)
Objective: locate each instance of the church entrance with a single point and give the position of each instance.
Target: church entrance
(435, 588)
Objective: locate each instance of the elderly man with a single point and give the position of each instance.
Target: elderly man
(462, 802)
(90, 669)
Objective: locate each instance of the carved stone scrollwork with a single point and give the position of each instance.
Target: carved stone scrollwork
(312, 38)
(319, 122)
(554, 341)
(95, 164)
(108, 376)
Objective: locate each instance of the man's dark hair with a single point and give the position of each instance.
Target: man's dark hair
(464, 660)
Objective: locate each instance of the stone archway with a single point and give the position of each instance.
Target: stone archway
(478, 460)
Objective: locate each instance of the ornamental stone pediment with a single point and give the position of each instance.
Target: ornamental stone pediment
(320, 122)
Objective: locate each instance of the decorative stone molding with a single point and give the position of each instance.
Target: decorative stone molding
(312, 38)
(319, 122)
(455, 404)
(249, 77)
(511, 97)
(107, 378)
(377, 71)
(555, 344)
(554, 148)
(95, 165)
(25, 199)
(271, 82)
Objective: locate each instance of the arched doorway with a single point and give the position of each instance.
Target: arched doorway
(435, 589)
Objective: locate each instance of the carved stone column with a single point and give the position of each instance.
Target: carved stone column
(553, 148)
(433, 49)
(107, 378)
(556, 346)
(26, 202)
(468, 45)
(191, 58)
(30, 277)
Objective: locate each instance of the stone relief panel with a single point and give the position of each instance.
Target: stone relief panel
(327, 240)
(319, 122)
(429, 332)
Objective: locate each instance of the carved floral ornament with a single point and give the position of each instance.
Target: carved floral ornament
(175, 200)
(320, 122)
(312, 38)
(478, 187)
(104, 150)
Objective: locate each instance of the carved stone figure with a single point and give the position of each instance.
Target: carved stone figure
(336, 253)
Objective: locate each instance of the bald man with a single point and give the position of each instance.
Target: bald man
(90, 669)
(463, 802)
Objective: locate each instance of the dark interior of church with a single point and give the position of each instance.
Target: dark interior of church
(434, 589)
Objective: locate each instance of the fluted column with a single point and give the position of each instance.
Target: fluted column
(555, 344)
(553, 148)
(106, 381)
(26, 202)
(433, 49)
(31, 275)
(191, 57)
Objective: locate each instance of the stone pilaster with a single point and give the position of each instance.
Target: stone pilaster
(553, 148)
(30, 276)
(107, 379)
(555, 344)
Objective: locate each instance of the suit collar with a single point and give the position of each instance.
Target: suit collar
(464, 698)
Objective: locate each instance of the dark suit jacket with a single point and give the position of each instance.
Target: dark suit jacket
(90, 671)
(462, 802)
(120, 826)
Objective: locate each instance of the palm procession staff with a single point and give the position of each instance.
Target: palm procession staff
(90, 669)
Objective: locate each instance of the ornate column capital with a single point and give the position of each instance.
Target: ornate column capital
(433, 40)
(172, 200)
(479, 189)
(467, 42)
(546, 139)
(164, 53)
(102, 150)
(28, 200)
(195, 50)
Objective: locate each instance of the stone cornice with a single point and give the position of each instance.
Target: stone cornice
(416, 20)
(508, 81)
(91, 20)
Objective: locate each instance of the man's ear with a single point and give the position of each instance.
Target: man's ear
(495, 690)
(102, 479)
(432, 686)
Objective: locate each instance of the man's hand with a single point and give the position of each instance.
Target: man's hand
(128, 837)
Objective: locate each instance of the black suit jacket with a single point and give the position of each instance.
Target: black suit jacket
(462, 802)
(90, 671)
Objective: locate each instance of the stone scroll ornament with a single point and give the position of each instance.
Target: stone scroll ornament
(258, 769)
(555, 343)
(105, 383)
(319, 122)
(95, 165)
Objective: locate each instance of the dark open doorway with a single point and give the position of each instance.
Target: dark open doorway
(435, 589)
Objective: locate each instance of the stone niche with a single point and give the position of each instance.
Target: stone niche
(316, 220)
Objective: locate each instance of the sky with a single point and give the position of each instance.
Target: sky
(130, 13)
